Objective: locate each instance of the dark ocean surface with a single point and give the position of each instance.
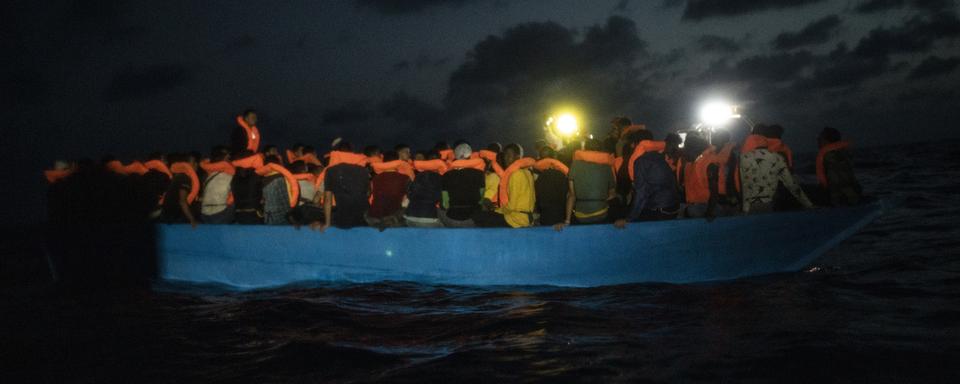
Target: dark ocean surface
(883, 307)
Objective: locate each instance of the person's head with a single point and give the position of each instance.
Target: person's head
(371, 151)
(195, 156)
(494, 147)
(547, 152)
(420, 156)
(316, 170)
(250, 116)
(828, 135)
(298, 167)
(673, 140)
(592, 145)
(271, 150)
(297, 149)
(639, 135)
(694, 146)
(61, 165)
(462, 151)
(403, 151)
(343, 146)
(390, 156)
(219, 153)
(272, 159)
(618, 124)
(774, 131)
(720, 137)
(432, 154)
(440, 146)
(758, 129)
(307, 150)
(512, 152)
(244, 154)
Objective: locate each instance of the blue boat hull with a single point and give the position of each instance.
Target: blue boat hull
(678, 251)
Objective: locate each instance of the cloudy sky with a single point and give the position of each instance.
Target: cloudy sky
(86, 78)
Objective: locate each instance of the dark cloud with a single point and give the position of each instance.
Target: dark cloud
(817, 32)
(934, 66)
(132, 83)
(398, 118)
(400, 7)
(714, 43)
(844, 68)
(702, 9)
(873, 6)
(513, 79)
(348, 113)
(776, 67)
(246, 41)
(917, 34)
(622, 6)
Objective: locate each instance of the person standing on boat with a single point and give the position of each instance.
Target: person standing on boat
(347, 181)
(655, 193)
(835, 169)
(247, 135)
(516, 195)
(760, 173)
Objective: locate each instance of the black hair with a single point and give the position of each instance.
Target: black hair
(720, 137)
(421, 153)
(546, 152)
(272, 159)
(432, 154)
(639, 135)
(268, 148)
(673, 140)
(219, 153)
(308, 149)
(772, 131)
(343, 146)
(298, 167)
(515, 148)
(830, 135)
(494, 147)
(390, 156)
(370, 150)
(693, 146)
(297, 146)
(758, 129)
(621, 122)
(592, 145)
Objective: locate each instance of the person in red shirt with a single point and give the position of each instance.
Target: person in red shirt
(389, 189)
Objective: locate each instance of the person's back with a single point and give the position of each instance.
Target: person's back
(835, 169)
(171, 211)
(551, 196)
(247, 190)
(276, 200)
(424, 194)
(215, 200)
(464, 189)
(760, 173)
(349, 185)
(388, 190)
(592, 183)
(656, 196)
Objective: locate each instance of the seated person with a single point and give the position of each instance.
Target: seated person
(389, 189)
(176, 203)
(760, 173)
(215, 204)
(516, 196)
(591, 186)
(276, 195)
(348, 182)
(835, 169)
(462, 190)
(655, 193)
(424, 194)
(551, 187)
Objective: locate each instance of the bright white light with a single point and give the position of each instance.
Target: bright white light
(716, 113)
(567, 124)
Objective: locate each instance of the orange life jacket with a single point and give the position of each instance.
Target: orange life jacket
(340, 157)
(545, 164)
(447, 155)
(55, 175)
(695, 181)
(253, 134)
(254, 161)
(617, 164)
(642, 148)
(632, 128)
(220, 166)
(723, 161)
(375, 159)
(159, 166)
(305, 176)
(133, 168)
(821, 170)
(310, 158)
(750, 144)
(436, 165)
(777, 145)
(291, 156)
(487, 155)
(503, 192)
(476, 163)
(400, 166)
(293, 188)
(186, 169)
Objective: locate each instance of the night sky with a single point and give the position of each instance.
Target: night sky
(88, 78)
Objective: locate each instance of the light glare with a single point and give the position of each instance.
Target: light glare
(716, 113)
(567, 124)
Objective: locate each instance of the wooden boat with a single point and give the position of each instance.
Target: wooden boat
(677, 251)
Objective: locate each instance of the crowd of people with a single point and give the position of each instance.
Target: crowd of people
(626, 176)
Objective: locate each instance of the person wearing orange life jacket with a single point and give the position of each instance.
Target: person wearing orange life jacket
(444, 151)
(701, 177)
(182, 191)
(591, 185)
(425, 194)
(834, 167)
(216, 200)
(462, 188)
(655, 194)
(157, 178)
(294, 153)
(389, 190)
(775, 144)
(271, 150)
(247, 188)
(551, 187)
(613, 143)
(247, 135)
(347, 180)
(308, 209)
(760, 173)
(61, 170)
(280, 191)
(491, 178)
(516, 194)
(403, 152)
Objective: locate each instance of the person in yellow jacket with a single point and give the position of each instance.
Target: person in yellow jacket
(515, 195)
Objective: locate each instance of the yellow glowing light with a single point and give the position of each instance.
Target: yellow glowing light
(567, 124)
